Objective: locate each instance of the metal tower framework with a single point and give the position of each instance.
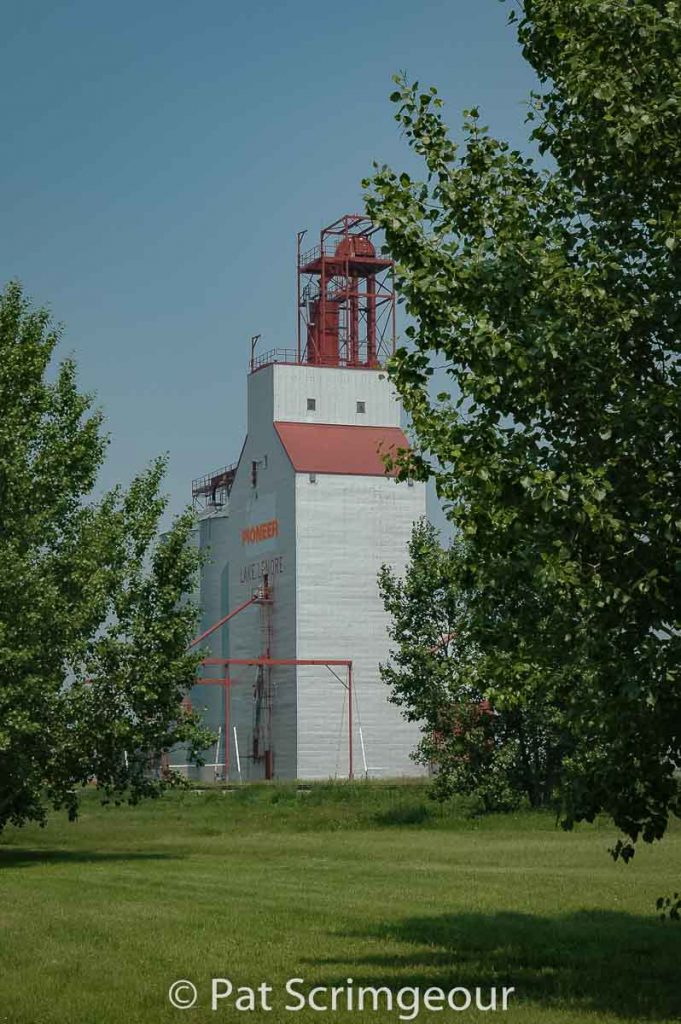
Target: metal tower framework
(346, 299)
(263, 694)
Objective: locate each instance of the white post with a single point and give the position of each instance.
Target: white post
(236, 749)
(364, 753)
(217, 752)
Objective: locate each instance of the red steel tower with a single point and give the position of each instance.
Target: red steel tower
(346, 300)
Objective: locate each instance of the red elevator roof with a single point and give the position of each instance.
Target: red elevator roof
(337, 448)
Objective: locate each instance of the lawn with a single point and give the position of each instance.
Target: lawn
(367, 882)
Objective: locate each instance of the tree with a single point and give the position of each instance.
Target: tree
(93, 640)
(548, 288)
(498, 757)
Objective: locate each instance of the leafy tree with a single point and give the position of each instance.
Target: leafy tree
(548, 290)
(93, 662)
(496, 756)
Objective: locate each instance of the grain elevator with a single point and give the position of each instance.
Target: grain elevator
(294, 533)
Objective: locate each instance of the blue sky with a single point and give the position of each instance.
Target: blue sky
(159, 158)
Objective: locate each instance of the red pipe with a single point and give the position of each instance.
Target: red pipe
(274, 661)
(371, 321)
(350, 771)
(221, 622)
(228, 698)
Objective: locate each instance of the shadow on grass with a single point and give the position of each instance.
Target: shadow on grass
(405, 814)
(602, 961)
(15, 857)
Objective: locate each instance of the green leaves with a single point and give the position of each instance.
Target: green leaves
(499, 753)
(553, 296)
(93, 635)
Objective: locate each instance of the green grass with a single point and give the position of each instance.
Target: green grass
(371, 882)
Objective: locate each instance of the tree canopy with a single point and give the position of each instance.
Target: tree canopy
(93, 634)
(498, 757)
(546, 285)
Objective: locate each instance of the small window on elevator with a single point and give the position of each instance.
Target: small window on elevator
(361, 407)
(311, 404)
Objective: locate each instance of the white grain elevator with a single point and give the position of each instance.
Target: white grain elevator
(296, 531)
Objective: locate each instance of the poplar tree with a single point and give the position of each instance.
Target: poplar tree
(546, 285)
(496, 756)
(93, 633)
